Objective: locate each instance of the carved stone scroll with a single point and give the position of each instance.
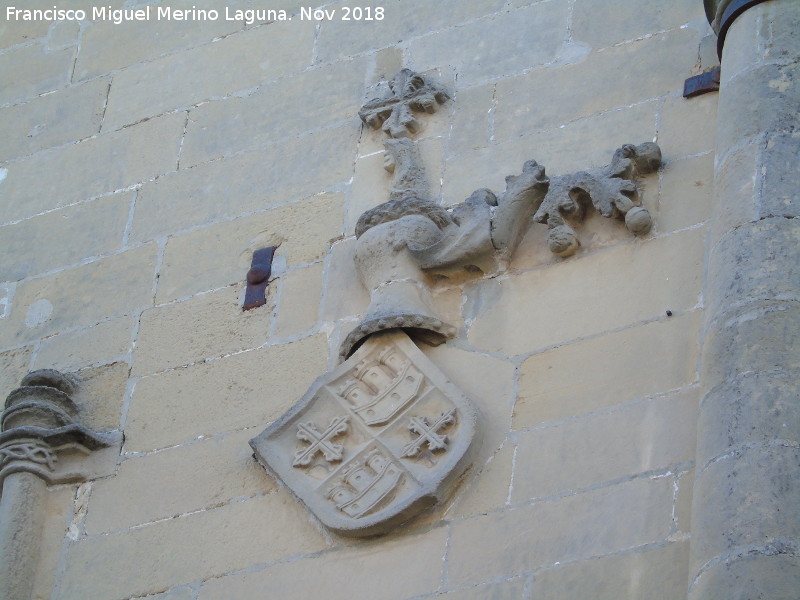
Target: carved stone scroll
(409, 436)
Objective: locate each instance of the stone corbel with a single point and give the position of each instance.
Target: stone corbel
(41, 443)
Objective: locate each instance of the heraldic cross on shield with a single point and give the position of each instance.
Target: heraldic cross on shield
(374, 441)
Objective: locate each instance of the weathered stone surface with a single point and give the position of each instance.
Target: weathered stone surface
(13, 33)
(560, 149)
(778, 91)
(193, 197)
(754, 262)
(654, 574)
(748, 518)
(107, 46)
(56, 515)
(686, 191)
(197, 476)
(620, 22)
(93, 167)
(382, 437)
(101, 394)
(752, 409)
(403, 20)
(343, 294)
(688, 127)
(779, 178)
(299, 304)
(489, 489)
(505, 590)
(70, 114)
(42, 307)
(102, 566)
(646, 436)
(240, 392)
(101, 343)
(44, 243)
(750, 576)
(280, 109)
(14, 365)
(504, 323)
(683, 502)
(168, 336)
(735, 181)
(203, 73)
(761, 336)
(34, 71)
(488, 382)
(343, 573)
(219, 256)
(645, 75)
(520, 40)
(580, 526)
(472, 118)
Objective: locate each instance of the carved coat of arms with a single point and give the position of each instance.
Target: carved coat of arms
(375, 441)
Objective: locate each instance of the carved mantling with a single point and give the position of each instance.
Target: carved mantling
(40, 433)
(402, 241)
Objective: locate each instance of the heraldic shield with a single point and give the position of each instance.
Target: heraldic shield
(374, 441)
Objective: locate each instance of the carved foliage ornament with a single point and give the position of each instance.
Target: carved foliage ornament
(375, 441)
(401, 241)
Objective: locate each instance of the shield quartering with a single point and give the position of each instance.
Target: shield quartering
(375, 441)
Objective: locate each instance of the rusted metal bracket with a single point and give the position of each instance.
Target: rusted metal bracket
(701, 84)
(258, 278)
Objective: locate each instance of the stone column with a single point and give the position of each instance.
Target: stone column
(21, 519)
(746, 501)
(41, 443)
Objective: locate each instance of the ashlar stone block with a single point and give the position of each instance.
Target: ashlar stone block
(152, 559)
(495, 47)
(187, 78)
(201, 475)
(363, 571)
(192, 197)
(505, 324)
(34, 71)
(659, 573)
(218, 256)
(545, 395)
(621, 22)
(656, 434)
(606, 82)
(67, 115)
(237, 392)
(168, 336)
(277, 110)
(580, 526)
(91, 168)
(403, 20)
(63, 237)
(44, 306)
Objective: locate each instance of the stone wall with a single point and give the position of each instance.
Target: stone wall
(141, 164)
